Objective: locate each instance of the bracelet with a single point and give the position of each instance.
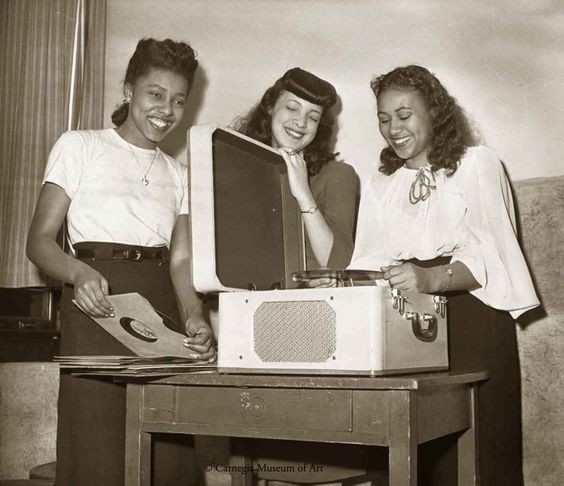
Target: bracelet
(448, 271)
(311, 210)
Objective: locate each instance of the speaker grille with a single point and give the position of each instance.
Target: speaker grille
(295, 331)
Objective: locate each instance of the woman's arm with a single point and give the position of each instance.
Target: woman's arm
(407, 276)
(336, 190)
(491, 250)
(200, 334)
(90, 287)
(318, 231)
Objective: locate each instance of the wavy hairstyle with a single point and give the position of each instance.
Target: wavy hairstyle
(451, 131)
(257, 123)
(167, 55)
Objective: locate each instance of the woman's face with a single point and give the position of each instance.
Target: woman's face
(156, 106)
(294, 121)
(405, 124)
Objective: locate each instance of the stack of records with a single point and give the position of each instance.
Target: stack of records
(131, 365)
(151, 336)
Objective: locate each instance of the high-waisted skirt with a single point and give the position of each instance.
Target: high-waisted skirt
(482, 338)
(91, 411)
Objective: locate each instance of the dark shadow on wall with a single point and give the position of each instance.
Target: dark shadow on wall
(175, 143)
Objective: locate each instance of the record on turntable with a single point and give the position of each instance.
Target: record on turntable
(343, 278)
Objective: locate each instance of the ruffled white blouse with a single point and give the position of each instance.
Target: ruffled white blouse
(468, 216)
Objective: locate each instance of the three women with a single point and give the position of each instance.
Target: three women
(442, 197)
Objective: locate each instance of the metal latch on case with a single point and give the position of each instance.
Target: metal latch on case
(440, 303)
(398, 300)
(424, 327)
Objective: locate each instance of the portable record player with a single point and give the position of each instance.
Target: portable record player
(248, 245)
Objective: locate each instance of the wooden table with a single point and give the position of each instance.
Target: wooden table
(394, 411)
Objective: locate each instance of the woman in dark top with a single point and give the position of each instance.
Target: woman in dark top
(294, 116)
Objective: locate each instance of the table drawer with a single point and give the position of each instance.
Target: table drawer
(256, 407)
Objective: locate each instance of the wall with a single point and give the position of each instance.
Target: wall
(503, 60)
(541, 334)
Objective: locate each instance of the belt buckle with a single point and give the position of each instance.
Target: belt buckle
(135, 255)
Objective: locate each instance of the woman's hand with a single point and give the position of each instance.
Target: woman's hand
(90, 291)
(298, 178)
(200, 339)
(407, 276)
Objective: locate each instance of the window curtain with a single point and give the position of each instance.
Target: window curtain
(51, 80)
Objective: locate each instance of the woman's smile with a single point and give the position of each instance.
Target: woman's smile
(294, 133)
(400, 142)
(159, 123)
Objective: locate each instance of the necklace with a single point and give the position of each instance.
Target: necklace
(144, 179)
(422, 186)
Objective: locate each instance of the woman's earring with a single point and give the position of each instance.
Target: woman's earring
(126, 101)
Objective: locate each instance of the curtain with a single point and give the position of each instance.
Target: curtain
(39, 39)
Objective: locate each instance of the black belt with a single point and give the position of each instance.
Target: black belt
(434, 262)
(108, 251)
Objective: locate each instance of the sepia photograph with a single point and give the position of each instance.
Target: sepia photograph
(281, 242)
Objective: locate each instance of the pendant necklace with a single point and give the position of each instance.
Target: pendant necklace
(422, 186)
(144, 179)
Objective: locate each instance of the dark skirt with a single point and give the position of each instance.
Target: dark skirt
(482, 338)
(91, 412)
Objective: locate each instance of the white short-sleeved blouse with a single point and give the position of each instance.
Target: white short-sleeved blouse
(469, 216)
(102, 175)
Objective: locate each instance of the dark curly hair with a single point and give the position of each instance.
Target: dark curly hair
(257, 123)
(451, 132)
(168, 55)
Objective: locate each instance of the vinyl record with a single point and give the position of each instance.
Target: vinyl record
(340, 275)
(138, 329)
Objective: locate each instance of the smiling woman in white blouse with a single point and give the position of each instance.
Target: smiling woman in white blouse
(125, 203)
(440, 219)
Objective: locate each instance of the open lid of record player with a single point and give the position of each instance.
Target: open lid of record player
(245, 223)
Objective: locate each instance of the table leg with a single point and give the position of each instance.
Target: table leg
(137, 442)
(403, 439)
(240, 460)
(467, 444)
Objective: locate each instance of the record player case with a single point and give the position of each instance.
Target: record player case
(247, 239)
